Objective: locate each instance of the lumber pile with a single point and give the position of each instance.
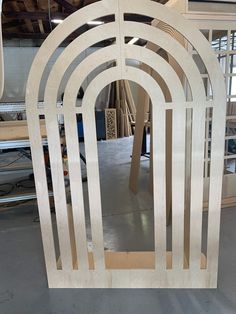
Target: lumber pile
(121, 99)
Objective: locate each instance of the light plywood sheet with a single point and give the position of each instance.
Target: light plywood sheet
(160, 272)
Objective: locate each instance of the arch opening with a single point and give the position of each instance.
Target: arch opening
(120, 207)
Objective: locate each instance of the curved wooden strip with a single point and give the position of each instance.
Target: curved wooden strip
(72, 51)
(80, 74)
(161, 66)
(192, 34)
(63, 30)
(143, 79)
(110, 53)
(174, 48)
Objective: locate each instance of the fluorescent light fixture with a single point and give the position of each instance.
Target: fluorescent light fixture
(133, 41)
(95, 23)
(57, 21)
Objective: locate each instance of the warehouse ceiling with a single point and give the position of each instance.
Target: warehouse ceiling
(33, 19)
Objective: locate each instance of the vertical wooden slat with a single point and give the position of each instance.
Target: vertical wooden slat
(206, 165)
(159, 183)
(77, 198)
(228, 81)
(188, 155)
(42, 192)
(54, 146)
(216, 171)
(168, 165)
(142, 109)
(196, 200)
(178, 186)
(94, 187)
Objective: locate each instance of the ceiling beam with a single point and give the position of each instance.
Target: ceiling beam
(29, 6)
(12, 24)
(40, 15)
(17, 8)
(66, 5)
(81, 4)
(10, 35)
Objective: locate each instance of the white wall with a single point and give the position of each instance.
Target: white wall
(213, 7)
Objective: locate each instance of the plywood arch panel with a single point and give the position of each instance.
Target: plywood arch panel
(188, 65)
(75, 262)
(161, 66)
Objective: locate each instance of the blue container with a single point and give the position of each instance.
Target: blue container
(100, 126)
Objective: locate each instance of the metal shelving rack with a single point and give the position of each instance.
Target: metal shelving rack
(16, 107)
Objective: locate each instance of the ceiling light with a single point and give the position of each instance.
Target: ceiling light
(57, 21)
(133, 41)
(95, 23)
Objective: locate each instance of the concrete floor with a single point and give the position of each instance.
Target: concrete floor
(128, 225)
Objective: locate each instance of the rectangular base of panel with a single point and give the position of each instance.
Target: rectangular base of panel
(132, 270)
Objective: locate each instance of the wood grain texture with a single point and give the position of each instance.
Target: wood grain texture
(76, 266)
(17, 130)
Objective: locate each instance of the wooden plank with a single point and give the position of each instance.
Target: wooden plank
(216, 172)
(72, 236)
(77, 211)
(129, 98)
(124, 109)
(168, 165)
(42, 192)
(197, 176)
(159, 184)
(142, 108)
(132, 260)
(94, 187)
(178, 186)
(117, 93)
(17, 130)
(58, 184)
(122, 127)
